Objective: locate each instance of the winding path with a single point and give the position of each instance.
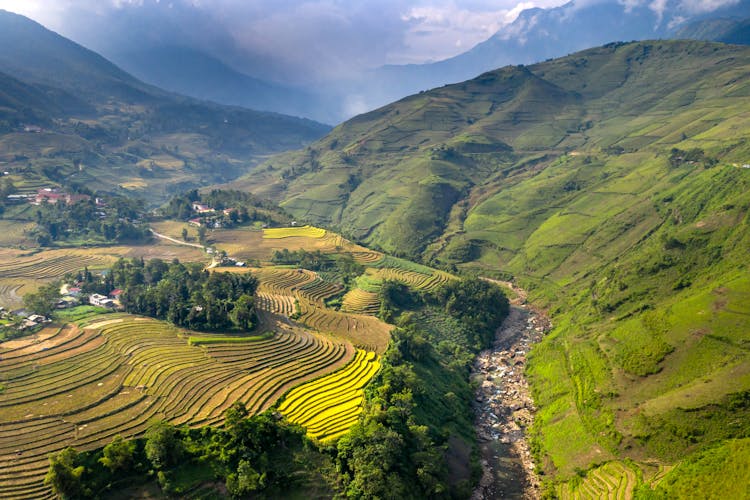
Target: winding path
(175, 240)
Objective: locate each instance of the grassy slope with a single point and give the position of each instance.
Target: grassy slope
(642, 265)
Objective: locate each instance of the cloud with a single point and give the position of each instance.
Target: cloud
(441, 29)
(293, 39)
(704, 6)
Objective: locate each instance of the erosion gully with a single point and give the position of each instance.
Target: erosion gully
(503, 405)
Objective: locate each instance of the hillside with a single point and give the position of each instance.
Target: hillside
(96, 126)
(197, 74)
(612, 184)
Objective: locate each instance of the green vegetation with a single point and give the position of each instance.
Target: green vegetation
(85, 222)
(418, 408)
(612, 185)
(718, 472)
(251, 455)
(230, 208)
(44, 300)
(184, 294)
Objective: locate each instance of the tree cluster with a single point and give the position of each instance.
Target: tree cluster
(479, 305)
(117, 222)
(678, 157)
(184, 294)
(244, 207)
(250, 455)
(44, 300)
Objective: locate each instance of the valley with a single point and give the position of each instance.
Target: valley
(610, 184)
(533, 283)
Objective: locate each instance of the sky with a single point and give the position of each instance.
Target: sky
(298, 41)
(324, 38)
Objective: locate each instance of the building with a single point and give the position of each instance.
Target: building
(98, 300)
(202, 209)
(49, 195)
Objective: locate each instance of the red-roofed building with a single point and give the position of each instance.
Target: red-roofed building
(115, 294)
(48, 195)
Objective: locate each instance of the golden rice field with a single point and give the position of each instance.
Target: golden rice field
(245, 243)
(289, 232)
(327, 407)
(365, 332)
(80, 385)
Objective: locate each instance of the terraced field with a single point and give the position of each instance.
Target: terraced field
(358, 301)
(288, 232)
(612, 481)
(80, 385)
(330, 405)
(414, 279)
(365, 332)
(275, 303)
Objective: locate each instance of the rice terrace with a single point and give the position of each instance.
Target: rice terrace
(93, 374)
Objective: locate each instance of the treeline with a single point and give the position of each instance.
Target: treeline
(244, 207)
(118, 221)
(184, 294)
(249, 455)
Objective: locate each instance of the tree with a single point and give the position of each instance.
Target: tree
(243, 313)
(119, 455)
(64, 476)
(44, 300)
(163, 446)
(184, 234)
(202, 235)
(245, 480)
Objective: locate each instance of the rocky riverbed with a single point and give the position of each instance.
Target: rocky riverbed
(504, 406)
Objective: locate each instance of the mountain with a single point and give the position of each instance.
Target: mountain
(543, 33)
(191, 72)
(612, 184)
(726, 30)
(94, 125)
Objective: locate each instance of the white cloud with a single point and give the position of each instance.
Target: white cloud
(703, 6)
(436, 27)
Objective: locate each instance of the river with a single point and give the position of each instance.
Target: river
(504, 407)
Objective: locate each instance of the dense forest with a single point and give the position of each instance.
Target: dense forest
(417, 407)
(184, 294)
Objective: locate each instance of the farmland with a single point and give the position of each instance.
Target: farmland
(22, 271)
(81, 384)
(330, 405)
